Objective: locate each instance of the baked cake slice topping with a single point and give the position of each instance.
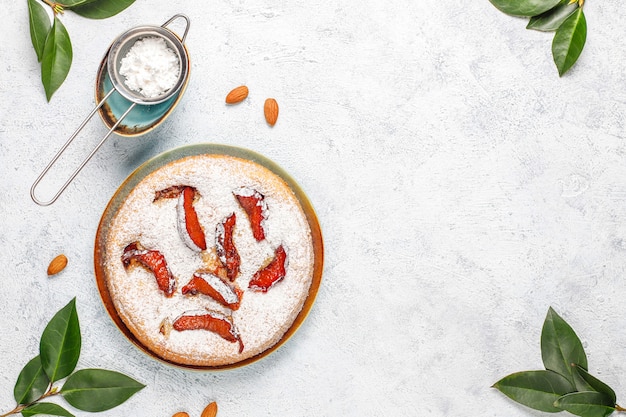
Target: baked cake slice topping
(271, 274)
(253, 203)
(169, 192)
(212, 321)
(189, 227)
(209, 284)
(154, 261)
(225, 247)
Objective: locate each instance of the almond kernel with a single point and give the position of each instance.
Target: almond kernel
(181, 414)
(237, 94)
(57, 265)
(210, 410)
(271, 111)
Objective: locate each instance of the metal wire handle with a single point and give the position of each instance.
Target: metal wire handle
(93, 152)
(179, 16)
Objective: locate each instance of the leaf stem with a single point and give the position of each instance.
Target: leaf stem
(57, 9)
(617, 408)
(18, 408)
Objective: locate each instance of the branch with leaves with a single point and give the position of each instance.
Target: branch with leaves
(565, 384)
(51, 40)
(563, 17)
(90, 390)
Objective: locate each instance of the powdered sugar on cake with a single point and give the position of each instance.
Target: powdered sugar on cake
(262, 318)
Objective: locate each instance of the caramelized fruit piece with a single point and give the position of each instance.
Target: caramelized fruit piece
(253, 203)
(154, 261)
(210, 284)
(225, 247)
(169, 192)
(211, 263)
(274, 272)
(166, 327)
(189, 226)
(209, 320)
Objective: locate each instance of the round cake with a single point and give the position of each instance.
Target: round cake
(209, 260)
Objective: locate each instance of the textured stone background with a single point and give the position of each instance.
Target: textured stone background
(461, 186)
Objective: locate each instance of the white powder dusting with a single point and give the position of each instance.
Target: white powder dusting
(227, 293)
(150, 67)
(262, 318)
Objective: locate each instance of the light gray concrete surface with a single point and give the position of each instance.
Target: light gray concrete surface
(462, 188)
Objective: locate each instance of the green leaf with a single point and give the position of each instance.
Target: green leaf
(97, 390)
(587, 382)
(569, 41)
(560, 347)
(59, 347)
(586, 404)
(553, 18)
(57, 58)
(101, 9)
(72, 3)
(39, 22)
(32, 382)
(535, 389)
(49, 409)
(524, 7)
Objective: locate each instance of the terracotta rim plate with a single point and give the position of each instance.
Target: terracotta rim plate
(200, 149)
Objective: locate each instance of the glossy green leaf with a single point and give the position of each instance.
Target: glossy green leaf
(553, 18)
(49, 409)
(72, 3)
(57, 58)
(569, 41)
(101, 9)
(587, 382)
(98, 389)
(32, 382)
(560, 346)
(39, 22)
(59, 347)
(586, 404)
(524, 7)
(535, 389)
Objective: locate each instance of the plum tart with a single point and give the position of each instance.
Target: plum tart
(209, 260)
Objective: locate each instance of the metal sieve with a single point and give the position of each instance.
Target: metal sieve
(125, 42)
(118, 49)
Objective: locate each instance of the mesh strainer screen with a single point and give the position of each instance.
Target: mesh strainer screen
(120, 49)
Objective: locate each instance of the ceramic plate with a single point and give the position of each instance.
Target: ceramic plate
(147, 168)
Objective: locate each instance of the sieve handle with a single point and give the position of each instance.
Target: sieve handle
(181, 16)
(93, 152)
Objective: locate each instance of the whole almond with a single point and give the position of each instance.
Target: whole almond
(271, 111)
(237, 94)
(181, 414)
(57, 265)
(210, 410)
